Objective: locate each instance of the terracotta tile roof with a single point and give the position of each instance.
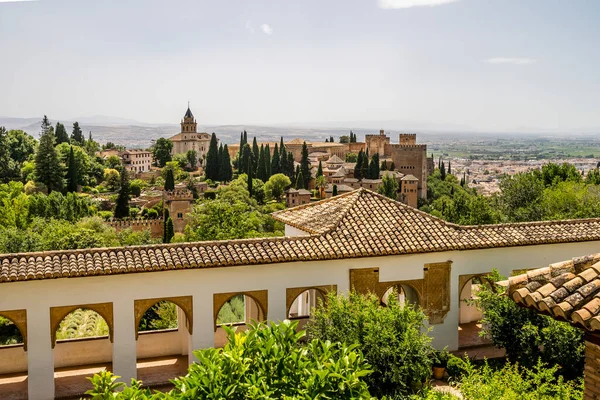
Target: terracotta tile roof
(355, 224)
(567, 291)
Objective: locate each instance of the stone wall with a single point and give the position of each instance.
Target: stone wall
(411, 159)
(155, 226)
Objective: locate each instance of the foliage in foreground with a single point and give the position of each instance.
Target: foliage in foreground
(393, 339)
(264, 362)
(528, 336)
(513, 382)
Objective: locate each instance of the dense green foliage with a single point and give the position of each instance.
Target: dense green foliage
(233, 214)
(232, 311)
(554, 192)
(264, 362)
(528, 336)
(162, 315)
(82, 323)
(389, 186)
(393, 339)
(122, 203)
(9, 333)
(161, 152)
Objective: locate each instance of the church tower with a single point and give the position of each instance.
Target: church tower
(188, 123)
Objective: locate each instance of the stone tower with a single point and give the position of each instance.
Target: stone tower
(188, 123)
(179, 203)
(409, 189)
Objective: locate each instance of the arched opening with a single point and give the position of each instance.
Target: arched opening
(470, 326)
(162, 341)
(82, 348)
(405, 295)
(303, 305)
(239, 310)
(13, 370)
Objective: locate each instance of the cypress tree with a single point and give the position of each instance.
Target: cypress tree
(245, 137)
(283, 160)
(373, 172)
(212, 159)
(169, 180)
(392, 166)
(225, 168)
(122, 205)
(169, 231)
(261, 169)
(305, 165)
(300, 180)
(77, 135)
(7, 165)
(443, 172)
(358, 165)
(255, 153)
(331, 139)
(268, 160)
(275, 161)
(241, 144)
(290, 165)
(320, 170)
(219, 158)
(165, 219)
(61, 134)
(449, 168)
(335, 192)
(249, 167)
(246, 157)
(384, 165)
(71, 172)
(48, 169)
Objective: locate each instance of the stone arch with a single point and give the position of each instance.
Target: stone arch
(19, 318)
(57, 314)
(261, 297)
(464, 279)
(184, 302)
(292, 293)
(412, 290)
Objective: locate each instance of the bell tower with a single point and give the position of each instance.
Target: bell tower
(188, 123)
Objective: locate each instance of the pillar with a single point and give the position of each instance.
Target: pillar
(203, 335)
(124, 343)
(40, 356)
(277, 304)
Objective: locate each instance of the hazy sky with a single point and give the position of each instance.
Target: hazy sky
(485, 64)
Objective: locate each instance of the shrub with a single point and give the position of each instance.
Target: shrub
(151, 213)
(515, 382)
(264, 362)
(393, 339)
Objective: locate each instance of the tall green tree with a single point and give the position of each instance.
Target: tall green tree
(170, 232)
(225, 169)
(299, 180)
(192, 159)
(48, 169)
(255, 153)
(449, 168)
(358, 167)
(77, 135)
(389, 186)
(122, 204)
(61, 134)
(212, 159)
(275, 161)
(7, 165)
(261, 169)
(443, 171)
(244, 160)
(305, 165)
(250, 169)
(283, 160)
(161, 152)
(166, 218)
(170, 180)
(335, 190)
(320, 169)
(72, 172)
(268, 160)
(290, 164)
(374, 167)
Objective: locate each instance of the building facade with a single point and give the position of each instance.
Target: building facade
(190, 139)
(136, 160)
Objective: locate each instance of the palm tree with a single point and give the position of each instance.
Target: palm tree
(321, 184)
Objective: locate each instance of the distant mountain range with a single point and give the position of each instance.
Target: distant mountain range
(134, 134)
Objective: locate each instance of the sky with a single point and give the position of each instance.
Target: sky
(465, 64)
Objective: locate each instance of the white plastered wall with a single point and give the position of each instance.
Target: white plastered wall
(38, 296)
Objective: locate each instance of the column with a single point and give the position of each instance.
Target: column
(40, 357)
(277, 306)
(203, 335)
(124, 343)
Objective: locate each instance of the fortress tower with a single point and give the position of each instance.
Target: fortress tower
(179, 203)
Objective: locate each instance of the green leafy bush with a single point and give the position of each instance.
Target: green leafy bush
(264, 362)
(393, 339)
(514, 382)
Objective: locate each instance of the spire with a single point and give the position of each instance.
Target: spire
(188, 113)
